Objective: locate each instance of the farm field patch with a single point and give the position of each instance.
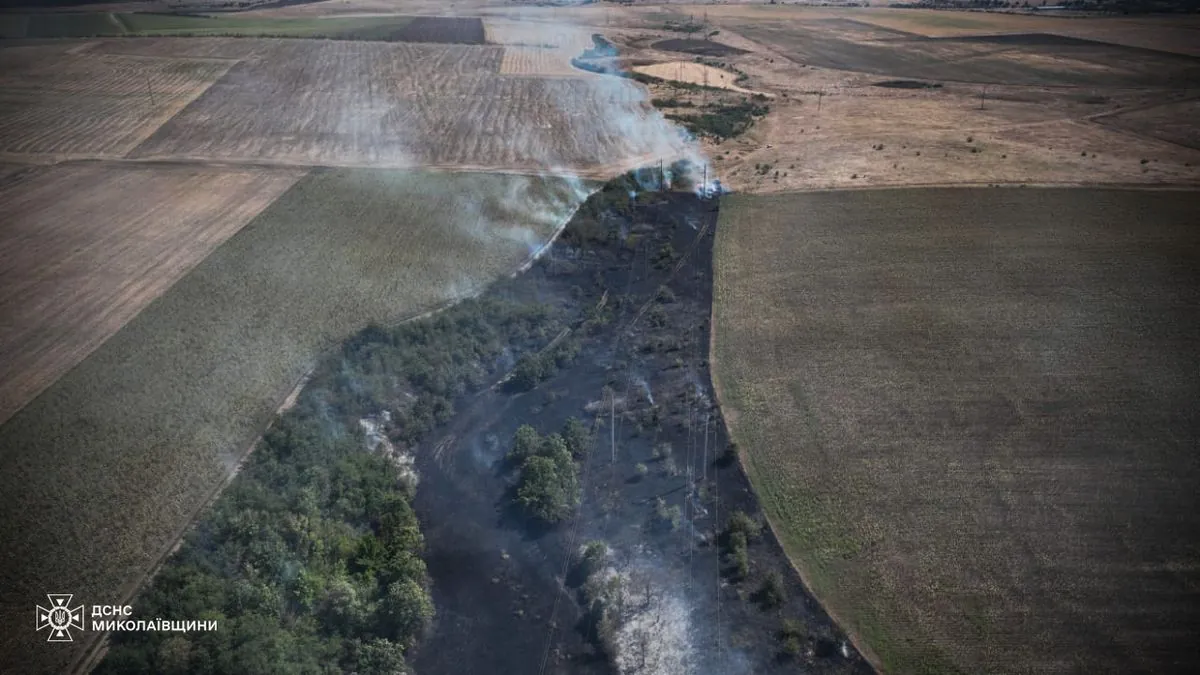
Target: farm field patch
(693, 73)
(1170, 122)
(538, 48)
(87, 246)
(100, 24)
(699, 47)
(404, 105)
(1046, 61)
(124, 448)
(969, 415)
(54, 102)
(468, 31)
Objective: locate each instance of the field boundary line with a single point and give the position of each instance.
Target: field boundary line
(713, 369)
(1147, 187)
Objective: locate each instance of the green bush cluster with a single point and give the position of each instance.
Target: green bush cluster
(723, 121)
(435, 360)
(739, 531)
(548, 488)
(310, 561)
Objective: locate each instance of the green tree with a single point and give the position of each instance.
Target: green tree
(577, 436)
(407, 611)
(378, 657)
(549, 487)
(526, 443)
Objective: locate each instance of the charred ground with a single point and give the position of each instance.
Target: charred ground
(631, 277)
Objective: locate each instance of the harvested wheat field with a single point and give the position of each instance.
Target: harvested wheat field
(58, 103)
(970, 415)
(123, 449)
(544, 49)
(403, 105)
(73, 271)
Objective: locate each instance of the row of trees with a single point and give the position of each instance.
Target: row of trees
(310, 561)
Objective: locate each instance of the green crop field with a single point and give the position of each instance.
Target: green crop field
(971, 417)
(116, 456)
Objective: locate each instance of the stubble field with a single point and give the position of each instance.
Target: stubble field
(60, 103)
(402, 105)
(123, 449)
(73, 271)
(970, 416)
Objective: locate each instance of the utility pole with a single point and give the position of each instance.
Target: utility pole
(704, 185)
(612, 423)
(150, 91)
(982, 96)
(820, 95)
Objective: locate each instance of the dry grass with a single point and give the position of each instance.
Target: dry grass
(74, 270)
(693, 73)
(119, 453)
(1170, 122)
(53, 102)
(971, 418)
(540, 61)
(872, 136)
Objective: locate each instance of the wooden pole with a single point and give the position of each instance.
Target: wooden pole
(612, 423)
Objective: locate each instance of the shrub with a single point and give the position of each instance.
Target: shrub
(740, 522)
(792, 638)
(528, 373)
(669, 467)
(656, 316)
(772, 594)
(669, 516)
(577, 437)
(526, 443)
(549, 487)
(591, 560)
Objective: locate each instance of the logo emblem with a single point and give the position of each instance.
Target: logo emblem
(60, 618)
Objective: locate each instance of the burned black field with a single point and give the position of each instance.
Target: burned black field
(700, 47)
(441, 29)
(632, 280)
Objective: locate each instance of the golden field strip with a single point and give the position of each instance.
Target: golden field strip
(970, 416)
(73, 271)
